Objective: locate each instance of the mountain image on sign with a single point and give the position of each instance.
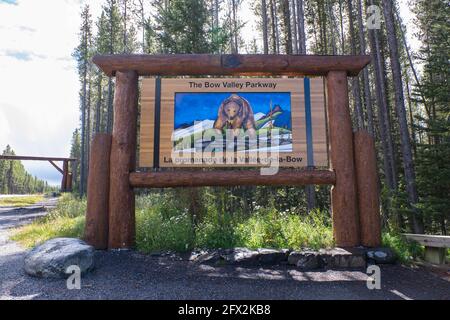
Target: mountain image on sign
(200, 118)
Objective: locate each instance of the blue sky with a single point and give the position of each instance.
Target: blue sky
(201, 106)
(9, 1)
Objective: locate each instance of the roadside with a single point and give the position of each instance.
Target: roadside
(132, 275)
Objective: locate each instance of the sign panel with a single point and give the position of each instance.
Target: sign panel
(233, 122)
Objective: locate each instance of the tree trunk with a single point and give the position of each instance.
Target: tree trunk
(355, 81)
(408, 165)
(341, 21)
(83, 136)
(287, 26)
(367, 94)
(264, 26)
(110, 114)
(88, 130)
(273, 27)
(294, 26)
(332, 30)
(301, 27)
(99, 103)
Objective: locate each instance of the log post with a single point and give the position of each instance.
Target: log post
(64, 177)
(69, 182)
(343, 193)
(123, 161)
(368, 193)
(96, 228)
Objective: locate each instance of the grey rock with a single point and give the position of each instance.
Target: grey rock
(381, 255)
(272, 256)
(53, 257)
(242, 256)
(343, 258)
(205, 257)
(305, 260)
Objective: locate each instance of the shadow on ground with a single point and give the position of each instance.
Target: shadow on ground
(130, 275)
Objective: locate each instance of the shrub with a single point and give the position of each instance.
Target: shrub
(155, 232)
(217, 231)
(406, 251)
(67, 219)
(272, 229)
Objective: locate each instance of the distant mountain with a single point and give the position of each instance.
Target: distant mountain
(283, 120)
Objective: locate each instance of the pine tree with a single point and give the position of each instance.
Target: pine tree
(83, 54)
(433, 167)
(408, 164)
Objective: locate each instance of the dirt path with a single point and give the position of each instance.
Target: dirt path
(130, 275)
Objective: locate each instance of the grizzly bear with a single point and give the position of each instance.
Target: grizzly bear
(235, 112)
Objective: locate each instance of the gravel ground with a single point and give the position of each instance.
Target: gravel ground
(130, 275)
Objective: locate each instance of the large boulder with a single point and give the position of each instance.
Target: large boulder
(52, 258)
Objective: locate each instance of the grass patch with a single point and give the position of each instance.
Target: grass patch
(406, 251)
(162, 225)
(21, 201)
(65, 220)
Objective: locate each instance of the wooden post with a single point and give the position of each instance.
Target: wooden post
(123, 161)
(69, 182)
(343, 193)
(368, 193)
(64, 177)
(96, 228)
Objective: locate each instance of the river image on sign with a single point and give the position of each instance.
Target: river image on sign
(243, 122)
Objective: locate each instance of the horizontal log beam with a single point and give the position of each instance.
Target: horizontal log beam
(238, 64)
(196, 178)
(8, 157)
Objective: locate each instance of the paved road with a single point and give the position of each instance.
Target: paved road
(130, 275)
(11, 217)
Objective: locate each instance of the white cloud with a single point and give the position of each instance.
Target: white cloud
(39, 82)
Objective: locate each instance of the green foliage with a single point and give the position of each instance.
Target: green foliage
(406, 251)
(273, 229)
(163, 226)
(65, 220)
(160, 225)
(433, 153)
(218, 231)
(14, 179)
(20, 201)
(184, 27)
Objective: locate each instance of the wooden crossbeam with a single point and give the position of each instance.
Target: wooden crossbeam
(231, 64)
(196, 178)
(11, 157)
(56, 167)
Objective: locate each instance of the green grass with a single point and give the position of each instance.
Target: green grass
(21, 201)
(161, 225)
(65, 220)
(406, 251)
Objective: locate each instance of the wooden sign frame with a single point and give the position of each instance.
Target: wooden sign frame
(307, 106)
(353, 173)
